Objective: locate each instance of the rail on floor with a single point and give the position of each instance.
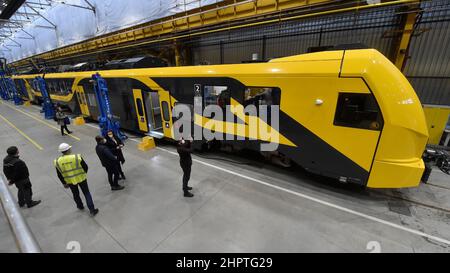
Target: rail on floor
(24, 238)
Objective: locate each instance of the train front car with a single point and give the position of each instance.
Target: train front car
(398, 159)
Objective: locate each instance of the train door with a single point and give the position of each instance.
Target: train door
(81, 96)
(153, 109)
(140, 113)
(166, 110)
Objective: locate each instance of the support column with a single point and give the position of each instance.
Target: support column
(407, 30)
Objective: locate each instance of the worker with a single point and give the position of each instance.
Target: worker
(62, 120)
(16, 171)
(72, 172)
(109, 161)
(116, 145)
(184, 149)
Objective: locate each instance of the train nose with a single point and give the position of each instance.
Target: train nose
(398, 161)
(398, 158)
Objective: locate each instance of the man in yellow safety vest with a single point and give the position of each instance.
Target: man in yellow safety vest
(72, 171)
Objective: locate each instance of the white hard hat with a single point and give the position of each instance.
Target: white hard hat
(64, 147)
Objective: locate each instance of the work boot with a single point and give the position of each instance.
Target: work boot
(188, 194)
(117, 188)
(94, 212)
(80, 208)
(34, 203)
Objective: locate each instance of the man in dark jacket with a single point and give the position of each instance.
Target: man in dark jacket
(16, 172)
(184, 150)
(116, 145)
(109, 161)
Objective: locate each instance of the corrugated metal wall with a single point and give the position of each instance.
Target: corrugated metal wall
(428, 67)
(295, 37)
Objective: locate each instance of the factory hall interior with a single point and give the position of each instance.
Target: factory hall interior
(225, 126)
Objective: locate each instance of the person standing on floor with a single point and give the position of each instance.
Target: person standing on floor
(16, 171)
(184, 149)
(72, 172)
(116, 145)
(62, 119)
(109, 161)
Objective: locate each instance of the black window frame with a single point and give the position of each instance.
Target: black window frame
(140, 107)
(165, 111)
(357, 116)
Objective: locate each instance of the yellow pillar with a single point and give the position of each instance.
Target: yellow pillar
(408, 28)
(437, 117)
(177, 54)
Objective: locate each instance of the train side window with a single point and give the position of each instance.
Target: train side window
(92, 100)
(50, 87)
(216, 95)
(61, 87)
(358, 111)
(139, 107)
(165, 108)
(262, 96)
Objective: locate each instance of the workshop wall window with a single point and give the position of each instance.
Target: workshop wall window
(358, 111)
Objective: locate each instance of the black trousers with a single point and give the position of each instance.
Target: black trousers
(119, 169)
(64, 127)
(113, 175)
(24, 194)
(186, 175)
(87, 195)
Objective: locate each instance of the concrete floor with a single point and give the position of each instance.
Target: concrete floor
(236, 208)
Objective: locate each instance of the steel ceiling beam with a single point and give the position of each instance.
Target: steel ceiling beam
(38, 4)
(26, 14)
(90, 6)
(40, 15)
(27, 33)
(9, 38)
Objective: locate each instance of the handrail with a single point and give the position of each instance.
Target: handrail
(26, 243)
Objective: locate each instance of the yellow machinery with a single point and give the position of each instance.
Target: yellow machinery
(147, 143)
(79, 121)
(437, 117)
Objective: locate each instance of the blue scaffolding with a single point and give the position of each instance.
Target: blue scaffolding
(105, 120)
(47, 106)
(9, 90)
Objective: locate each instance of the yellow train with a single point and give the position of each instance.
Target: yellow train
(347, 114)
